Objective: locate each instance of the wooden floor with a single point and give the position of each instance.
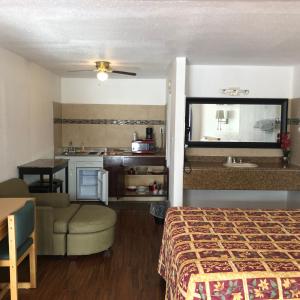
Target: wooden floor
(130, 273)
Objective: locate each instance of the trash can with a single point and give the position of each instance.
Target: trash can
(158, 211)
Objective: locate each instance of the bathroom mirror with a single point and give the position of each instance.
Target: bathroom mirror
(235, 122)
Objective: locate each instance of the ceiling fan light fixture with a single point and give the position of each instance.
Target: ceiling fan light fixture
(102, 76)
(103, 69)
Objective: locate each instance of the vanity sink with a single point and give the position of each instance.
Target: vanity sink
(240, 165)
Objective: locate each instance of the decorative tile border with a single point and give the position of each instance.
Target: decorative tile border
(108, 121)
(291, 121)
(57, 121)
(294, 121)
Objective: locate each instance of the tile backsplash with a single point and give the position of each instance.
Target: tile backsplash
(57, 115)
(104, 125)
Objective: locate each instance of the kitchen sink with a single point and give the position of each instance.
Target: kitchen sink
(81, 153)
(240, 165)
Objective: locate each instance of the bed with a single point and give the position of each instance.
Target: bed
(209, 253)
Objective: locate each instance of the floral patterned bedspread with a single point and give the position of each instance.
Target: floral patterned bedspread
(231, 254)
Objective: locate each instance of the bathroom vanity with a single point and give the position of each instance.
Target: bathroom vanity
(210, 174)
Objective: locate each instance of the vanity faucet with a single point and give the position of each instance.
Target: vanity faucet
(229, 160)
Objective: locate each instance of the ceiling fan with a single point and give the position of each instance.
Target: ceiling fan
(103, 68)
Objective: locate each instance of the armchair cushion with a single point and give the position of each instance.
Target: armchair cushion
(62, 217)
(56, 200)
(92, 218)
(14, 187)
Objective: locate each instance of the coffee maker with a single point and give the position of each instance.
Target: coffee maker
(149, 133)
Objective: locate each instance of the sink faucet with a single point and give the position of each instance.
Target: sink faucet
(233, 160)
(71, 148)
(229, 160)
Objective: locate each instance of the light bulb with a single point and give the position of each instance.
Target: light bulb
(102, 76)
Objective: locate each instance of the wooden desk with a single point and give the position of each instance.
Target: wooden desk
(7, 207)
(45, 167)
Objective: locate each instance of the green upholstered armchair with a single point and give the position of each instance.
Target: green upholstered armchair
(54, 212)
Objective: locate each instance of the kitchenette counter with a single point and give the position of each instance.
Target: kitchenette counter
(109, 153)
(121, 157)
(268, 175)
(130, 154)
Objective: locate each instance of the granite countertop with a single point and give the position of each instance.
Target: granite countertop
(218, 166)
(110, 153)
(130, 154)
(270, 174)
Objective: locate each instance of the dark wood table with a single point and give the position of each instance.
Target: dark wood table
(45, 167)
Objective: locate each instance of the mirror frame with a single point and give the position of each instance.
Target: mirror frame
(258, 101)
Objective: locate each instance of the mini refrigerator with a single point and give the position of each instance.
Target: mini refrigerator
(92, 184)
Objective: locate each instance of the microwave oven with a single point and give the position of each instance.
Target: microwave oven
(143, 146)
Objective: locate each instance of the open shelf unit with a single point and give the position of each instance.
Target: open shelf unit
(164, 172)
(128, 193)
(136, 170)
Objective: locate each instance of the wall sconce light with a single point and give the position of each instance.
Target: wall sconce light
(222, 117)
(235, 91)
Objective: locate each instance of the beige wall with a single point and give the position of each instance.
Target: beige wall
(108, 135)
(295, 131)
(124, 91)
(26, 114)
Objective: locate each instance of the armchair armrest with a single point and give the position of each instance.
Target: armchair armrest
(56, 200)
(44, 229)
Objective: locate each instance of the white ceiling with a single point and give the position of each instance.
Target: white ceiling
(145, 35)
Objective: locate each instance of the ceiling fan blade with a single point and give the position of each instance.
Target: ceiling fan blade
(124, 73)
(80, 71)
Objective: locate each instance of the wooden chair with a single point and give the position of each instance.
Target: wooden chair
(19, 243)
